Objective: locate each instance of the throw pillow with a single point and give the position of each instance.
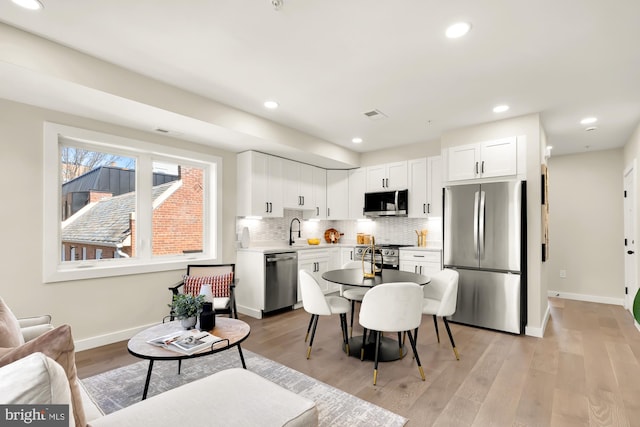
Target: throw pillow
(34, 379)
(219, 284)
(10, 333)
(58, 345)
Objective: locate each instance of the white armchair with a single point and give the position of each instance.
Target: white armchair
(32, 327)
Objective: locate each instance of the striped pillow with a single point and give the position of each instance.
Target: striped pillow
(219, 284)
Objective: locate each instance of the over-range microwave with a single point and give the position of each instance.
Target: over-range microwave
(386, 203)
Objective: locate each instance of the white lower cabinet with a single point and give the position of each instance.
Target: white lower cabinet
(424, 262)
(316, 262)
(347, 254)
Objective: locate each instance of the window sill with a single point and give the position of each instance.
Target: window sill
(96, 269)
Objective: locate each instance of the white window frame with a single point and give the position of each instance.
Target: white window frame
(54, 270)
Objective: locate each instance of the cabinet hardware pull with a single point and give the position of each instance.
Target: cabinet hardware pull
(302, 200)
(387, 182)
(328, 212)
(424, 207)
(476, 168)
(482, 169)
(317, 211)
(415, 269)
(382, 182)
(428, 207)
(266, 207)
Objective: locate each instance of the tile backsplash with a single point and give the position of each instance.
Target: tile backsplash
(397, 230)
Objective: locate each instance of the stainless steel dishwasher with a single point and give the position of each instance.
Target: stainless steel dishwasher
(281, 280)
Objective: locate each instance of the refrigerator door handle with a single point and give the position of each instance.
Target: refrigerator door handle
(481, 224)
(476, 202)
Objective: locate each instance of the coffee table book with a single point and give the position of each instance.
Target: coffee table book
(187, 342)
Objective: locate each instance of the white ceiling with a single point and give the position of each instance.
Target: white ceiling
(327, 62)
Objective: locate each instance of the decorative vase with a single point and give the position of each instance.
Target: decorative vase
(207, 317)
(188, 322)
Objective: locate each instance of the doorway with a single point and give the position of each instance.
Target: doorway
(630, 275)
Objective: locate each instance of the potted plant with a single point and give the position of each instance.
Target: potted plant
(186, 307)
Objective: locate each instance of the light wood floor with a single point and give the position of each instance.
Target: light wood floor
(584, 372)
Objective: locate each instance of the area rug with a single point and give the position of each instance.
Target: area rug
(122, 387)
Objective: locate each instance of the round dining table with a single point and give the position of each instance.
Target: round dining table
(389, 347)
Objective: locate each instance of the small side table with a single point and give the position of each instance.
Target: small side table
(233, 330)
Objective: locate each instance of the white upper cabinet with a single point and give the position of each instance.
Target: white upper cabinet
(425, 187)
(317, 207)
(357, 188)
(389, 176)
(434, 186)
(487, 159)
(259, 183)
(337, 194)
(297, 185)
(418, 188)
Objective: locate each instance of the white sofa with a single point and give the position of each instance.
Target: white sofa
(37, 366)
(234, 397)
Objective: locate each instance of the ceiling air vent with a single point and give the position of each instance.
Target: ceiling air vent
(375, 115)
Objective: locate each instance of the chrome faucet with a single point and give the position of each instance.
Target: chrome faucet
(291, 241)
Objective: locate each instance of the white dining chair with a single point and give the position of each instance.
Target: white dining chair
(392, 307)
(317, 304)
(440, 300)
(353, 293)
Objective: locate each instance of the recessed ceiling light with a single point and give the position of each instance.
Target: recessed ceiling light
(29, 4)
(356, 140)
(272, 105)
(588, 120)
(458, 29)
(500, 108)
(549, 147)
(590, 128)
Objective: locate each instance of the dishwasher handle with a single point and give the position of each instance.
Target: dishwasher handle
(278, 257)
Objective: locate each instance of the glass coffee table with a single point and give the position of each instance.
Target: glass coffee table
(232, 331)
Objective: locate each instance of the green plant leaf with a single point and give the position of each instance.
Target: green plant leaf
(636, 306)
(186, 305)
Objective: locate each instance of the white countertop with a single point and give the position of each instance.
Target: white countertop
(428, 248)
(271, 248)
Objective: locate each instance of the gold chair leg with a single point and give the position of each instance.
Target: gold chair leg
(362, 354)
(455, 351)
(309, 352)
(306, 337)
(347, 348)
(421, 372)
(375, 376)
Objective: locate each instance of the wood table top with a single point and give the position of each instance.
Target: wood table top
(233, 330)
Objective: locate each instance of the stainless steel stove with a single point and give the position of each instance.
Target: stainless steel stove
(390, 255)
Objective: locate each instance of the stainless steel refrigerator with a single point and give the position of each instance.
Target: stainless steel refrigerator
(485, 241)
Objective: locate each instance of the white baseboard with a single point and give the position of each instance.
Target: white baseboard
(588, 298)
(539, 332)
(109, 338)
(251, 312)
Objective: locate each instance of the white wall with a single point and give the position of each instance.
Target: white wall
(97, 307)
(405, 152)
(529, 126)
(586, 225)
